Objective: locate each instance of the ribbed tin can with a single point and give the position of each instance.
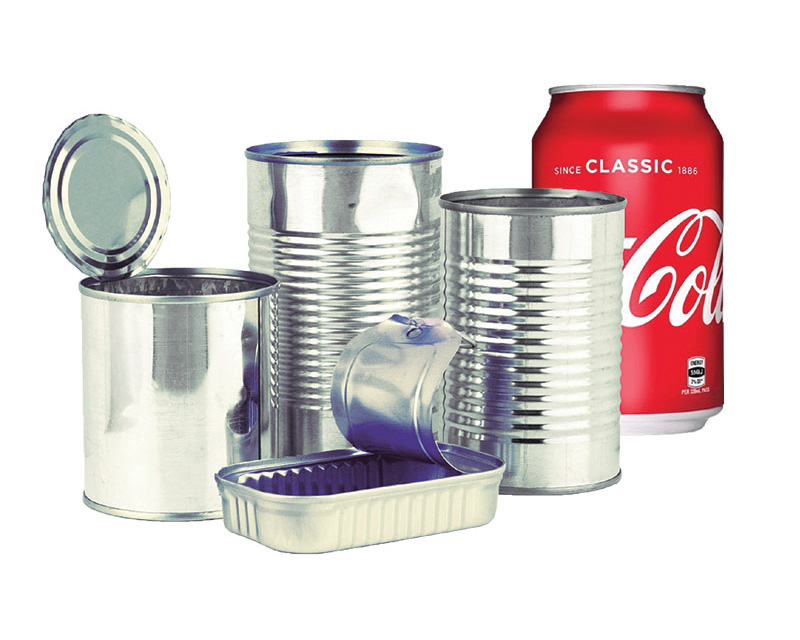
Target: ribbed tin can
(352, 229)
(534, 278)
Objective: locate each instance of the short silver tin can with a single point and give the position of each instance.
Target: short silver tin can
(176, 362)
(534, 278)
(175, 385)
(352, 229)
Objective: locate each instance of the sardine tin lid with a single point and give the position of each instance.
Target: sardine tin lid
(384, 387)
(106, 197)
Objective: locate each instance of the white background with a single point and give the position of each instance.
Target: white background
(698, 540)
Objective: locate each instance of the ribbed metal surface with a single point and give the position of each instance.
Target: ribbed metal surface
(344, 499)
(540, 296)
(367, 521)
(319, 479)
(352, 244)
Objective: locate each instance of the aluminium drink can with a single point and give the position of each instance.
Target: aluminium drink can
(657, 146)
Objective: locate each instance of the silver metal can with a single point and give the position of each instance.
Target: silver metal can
(352, 229)
(176, 371)
(534, 278)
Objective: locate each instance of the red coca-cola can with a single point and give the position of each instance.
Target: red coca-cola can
(657, 146)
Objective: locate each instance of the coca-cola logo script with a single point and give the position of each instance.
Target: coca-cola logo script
(672, 271)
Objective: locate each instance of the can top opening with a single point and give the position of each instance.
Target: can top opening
(532, 201)
(182, 286)
(343, 152)
(674, 88)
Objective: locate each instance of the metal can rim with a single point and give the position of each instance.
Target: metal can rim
(672, 88)
(266, 285)
(460, 201)
(344, 152)
(106, 259)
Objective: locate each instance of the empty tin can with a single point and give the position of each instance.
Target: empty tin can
(176, 362)
(352, 230)
(175, 379)
(533, 277)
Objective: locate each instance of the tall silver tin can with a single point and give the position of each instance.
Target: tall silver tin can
(352, 229)
(534, 278)
(176, 373)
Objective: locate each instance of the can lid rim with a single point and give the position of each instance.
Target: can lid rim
(460, 201)
(672, 88)
(128, 191)
(343, 152)
(266, 284)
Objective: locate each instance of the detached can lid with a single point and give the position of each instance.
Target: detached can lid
(106, 197)
(385, 383)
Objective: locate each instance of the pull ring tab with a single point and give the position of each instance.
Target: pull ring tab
(414, 330)
(385, 383)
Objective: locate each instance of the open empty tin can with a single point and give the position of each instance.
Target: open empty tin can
(534, 278)
(402, 484)
(175, 361)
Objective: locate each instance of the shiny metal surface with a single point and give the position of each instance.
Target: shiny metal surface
(383, 394)
(343, 499)
(352, 230)
(106, 197)
(176, 375)
(676, 88)
(534, 278)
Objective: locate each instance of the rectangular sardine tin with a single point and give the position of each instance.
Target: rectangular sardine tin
(348, 498)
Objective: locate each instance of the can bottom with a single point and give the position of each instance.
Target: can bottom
(644, 424)
(560, 491)
(147, 515)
